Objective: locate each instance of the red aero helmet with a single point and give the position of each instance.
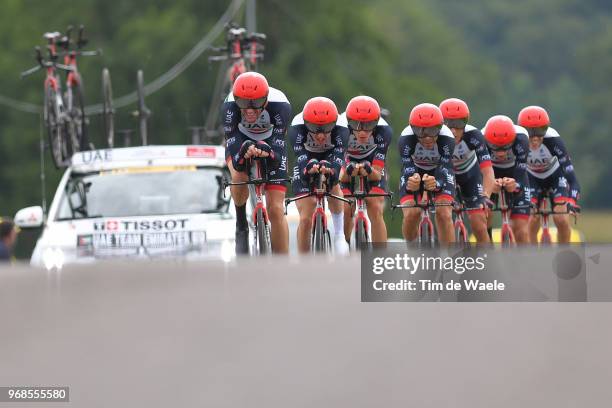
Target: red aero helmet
(363, 109)
(320, 111)
(250, 85)
(533, 117)
(499, 131)
(454, 108)
(426, 115)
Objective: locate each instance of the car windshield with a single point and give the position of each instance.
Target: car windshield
(143, 191)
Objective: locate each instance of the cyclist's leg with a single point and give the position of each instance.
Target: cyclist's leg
(240, 195)
(535, 190)
(275, 202)
(472, 196)
(520, 216)
(412, 216)
(305, 208)
(376, 207)
(349, 212)
(444, 214)
(560, 195)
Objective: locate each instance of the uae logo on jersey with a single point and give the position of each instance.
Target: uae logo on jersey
(359, 150)
(261, 125)
(313, 146)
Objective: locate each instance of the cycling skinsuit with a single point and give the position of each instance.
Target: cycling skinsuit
(436, 161)
(270, 128)
(471, 155)
(373, 151)
(306, 148)
(550, 169)
(511, 162)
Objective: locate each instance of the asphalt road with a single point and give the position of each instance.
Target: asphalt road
(288, 333)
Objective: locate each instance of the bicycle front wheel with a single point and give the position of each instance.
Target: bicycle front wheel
(263, 234)
(361, 235)
(425, 235)
(318, 235)
(108, 111)
(507, 238)
(460, 233)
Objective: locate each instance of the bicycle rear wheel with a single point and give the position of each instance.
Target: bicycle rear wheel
(318, 235)
(361, 235)
(108, 111)
(263, 234)
(55, 128)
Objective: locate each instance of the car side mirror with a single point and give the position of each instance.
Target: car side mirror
(30, 217)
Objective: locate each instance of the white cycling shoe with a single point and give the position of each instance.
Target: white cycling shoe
(341, 247)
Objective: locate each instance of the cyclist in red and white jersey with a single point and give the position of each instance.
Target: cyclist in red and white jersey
(471, 163)
(426, 148)
(369, 139)
(319, 141)
(550, 169)
(255, 118)
(508, 145)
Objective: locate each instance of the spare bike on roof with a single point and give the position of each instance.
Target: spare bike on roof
(242, 52)
(63, 111)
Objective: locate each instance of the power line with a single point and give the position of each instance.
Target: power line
(19, 105)
(157, 83)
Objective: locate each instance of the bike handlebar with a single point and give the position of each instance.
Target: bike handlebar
(46, 64)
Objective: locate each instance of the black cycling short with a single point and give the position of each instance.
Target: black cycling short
(556, 185)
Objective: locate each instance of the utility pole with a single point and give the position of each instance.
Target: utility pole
(251, 16)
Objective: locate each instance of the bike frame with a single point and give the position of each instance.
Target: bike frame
(260, 172)
(359, 193)
(319, 192)
(238, 66)
(425, 216)
(258, 178)
(542, 210)
(426, 204)
(459, 209)
(459, 225)
(507, 235)
(51, 80)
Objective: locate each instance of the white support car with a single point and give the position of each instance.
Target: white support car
(145, 202)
